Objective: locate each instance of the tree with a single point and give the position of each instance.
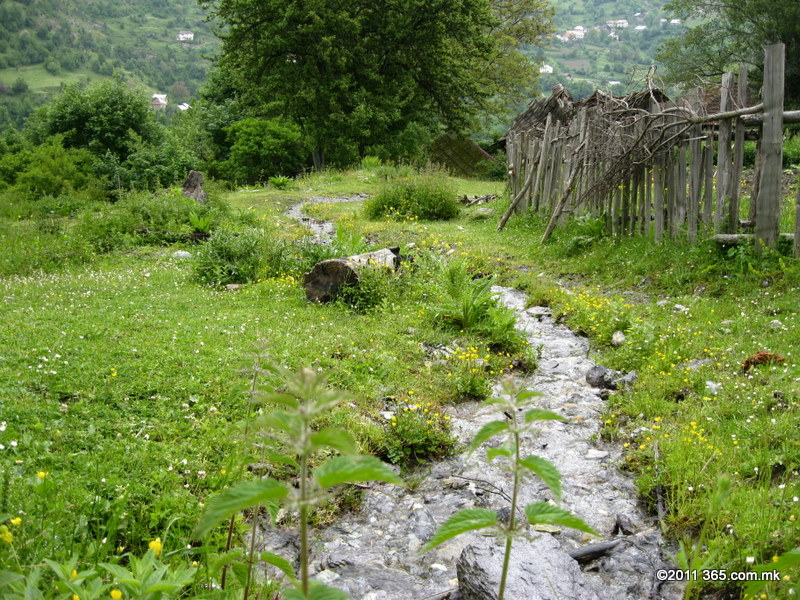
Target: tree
(732, 32)
(354, 74)
(103, 117)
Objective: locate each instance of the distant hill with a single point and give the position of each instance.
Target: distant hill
(604, 44)
(160, 44)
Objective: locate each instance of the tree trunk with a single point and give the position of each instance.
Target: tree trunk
(323, 281)
(318, 156)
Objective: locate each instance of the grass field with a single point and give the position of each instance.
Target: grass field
(124, 381)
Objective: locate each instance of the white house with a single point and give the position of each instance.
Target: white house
(640, 27)
(618, 24)
(184, 106)
(159, 101)
(185, 36)
(674, 21)
(546, 69)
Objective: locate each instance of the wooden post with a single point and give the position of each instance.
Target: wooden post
(708, 186)
(696, 162)
(680, 189)
(658, 199)
(648, 186)
(769, 195)
(723, 156)
(738, 159)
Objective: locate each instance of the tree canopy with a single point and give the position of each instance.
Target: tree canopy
(354, 75)
(733, 32)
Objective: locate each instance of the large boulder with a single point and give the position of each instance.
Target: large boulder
(539, 570)
(192, 187)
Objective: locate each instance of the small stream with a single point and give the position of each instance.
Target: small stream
(373, 553)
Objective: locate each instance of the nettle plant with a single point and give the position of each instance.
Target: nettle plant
(512, 402)
(286, 433)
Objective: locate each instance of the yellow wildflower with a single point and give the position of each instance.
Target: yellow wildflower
(16, 521)
(156, 546)
(116, 594)
(41, 474)
(5, 534)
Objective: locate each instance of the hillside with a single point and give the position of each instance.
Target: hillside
(47, 43)
(606, 45)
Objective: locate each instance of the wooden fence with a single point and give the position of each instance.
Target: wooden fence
(652, 167)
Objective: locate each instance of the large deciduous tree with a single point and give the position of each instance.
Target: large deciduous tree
(355, 74)
(732, 32)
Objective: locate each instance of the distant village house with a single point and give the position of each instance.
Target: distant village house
(546, 69)
(159, 102)
(185, 36)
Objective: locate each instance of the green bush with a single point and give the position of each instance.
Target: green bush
(262, 148)
(229, 257)
(429, 197)
(375, 285)
(416, 433)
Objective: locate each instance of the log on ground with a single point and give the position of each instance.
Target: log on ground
(323, 281)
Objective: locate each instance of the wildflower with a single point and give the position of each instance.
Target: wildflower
(41, 474)
(73, 574)
(116, 594)
(156, 546)
(5, 534)
(750, 560)
(76, 597)
(16, 521)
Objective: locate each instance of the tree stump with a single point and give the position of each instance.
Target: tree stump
(192, 187)
(323, 281)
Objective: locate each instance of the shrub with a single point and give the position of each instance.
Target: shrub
(375, 285)
(429, 197)
(416, 433)
(261, 148)
(229, 257)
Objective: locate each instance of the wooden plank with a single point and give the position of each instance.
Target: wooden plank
(648, 198)
(731, 239)
(626, 199)
(769, 196)
(680, 190)
(708, 183)
(723, 156)
(696, 166)
(738, 157)
(658, 199)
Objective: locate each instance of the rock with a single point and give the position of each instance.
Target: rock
(618, 338)
(712, 387)
(593, 453)
(539, 570)
(602, 377)
(680, 308)
(626, 380)
(181, 254)
(776, 324)
(231, 287)
(192, 187)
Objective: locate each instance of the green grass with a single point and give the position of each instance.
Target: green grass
(40, 81)
(123, 379)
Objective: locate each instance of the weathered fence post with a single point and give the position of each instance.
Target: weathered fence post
(723, 157)
(769, 195)
(738, 159)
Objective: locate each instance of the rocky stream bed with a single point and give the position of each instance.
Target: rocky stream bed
(372, 553)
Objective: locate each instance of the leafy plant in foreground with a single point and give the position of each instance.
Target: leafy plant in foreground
(511, 402)
(287, 428)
